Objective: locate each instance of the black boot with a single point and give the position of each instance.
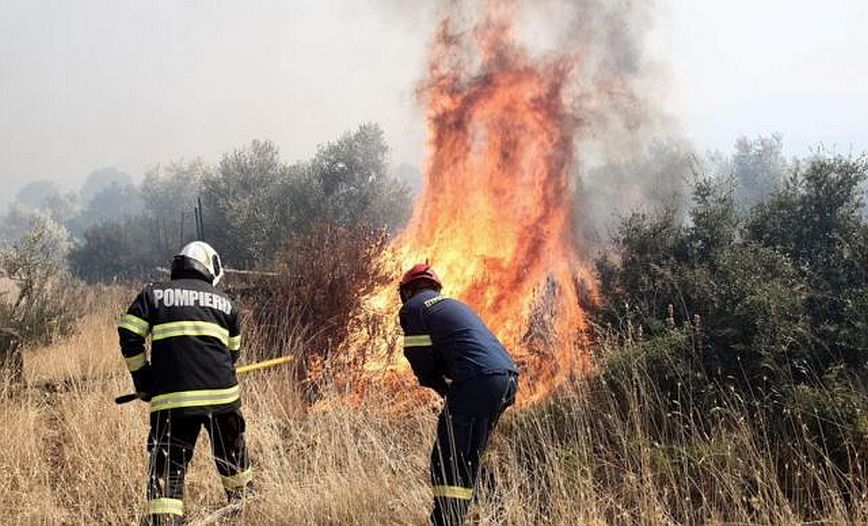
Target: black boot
(165, 519)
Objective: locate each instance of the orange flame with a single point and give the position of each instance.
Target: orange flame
(494, 217)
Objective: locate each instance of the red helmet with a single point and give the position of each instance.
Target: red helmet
(420, 271)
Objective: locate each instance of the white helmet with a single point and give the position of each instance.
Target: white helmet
(198, 257)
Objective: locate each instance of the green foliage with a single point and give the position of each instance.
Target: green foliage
(242, 201)
(127, 232)
(715, 221)
(36, 257)
(851, 329)
(832, 414)
(642, 282)
(169, 196)
(815, 218)
(111, 203)
(17, 222)
(101, 179)
(112, 251)
(816, 221)
(667, 364)
(774, 302)
(353, 184)
(254, 201)
(43, 308)
(758, 168)
(752, 317)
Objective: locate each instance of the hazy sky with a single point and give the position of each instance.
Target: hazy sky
(87, 83)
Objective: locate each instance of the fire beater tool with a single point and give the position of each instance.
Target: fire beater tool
(129, 397)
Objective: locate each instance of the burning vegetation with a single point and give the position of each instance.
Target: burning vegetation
(495, 215)
(730, 359)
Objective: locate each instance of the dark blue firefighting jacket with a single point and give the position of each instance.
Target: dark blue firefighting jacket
(445, 340)
(195, 341)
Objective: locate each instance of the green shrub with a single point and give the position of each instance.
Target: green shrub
(45, 305)
(111, 252)
(765, 313)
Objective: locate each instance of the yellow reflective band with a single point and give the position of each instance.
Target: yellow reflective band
(189, 328)
(196, 398)
(238, 480)
(419, 340)
(135, 325)
(134, 363)
(453, 492)
(234, 343)
(167, 506)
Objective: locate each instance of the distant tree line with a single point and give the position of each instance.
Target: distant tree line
(251, 201)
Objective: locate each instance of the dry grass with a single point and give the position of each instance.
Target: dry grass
(8, 287)
(72, 457)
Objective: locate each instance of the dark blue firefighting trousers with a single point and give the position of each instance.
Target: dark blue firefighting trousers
(472, 409)
(171, 442)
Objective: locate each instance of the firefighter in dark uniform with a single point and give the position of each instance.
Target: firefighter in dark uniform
(190, 380)
(452, 352)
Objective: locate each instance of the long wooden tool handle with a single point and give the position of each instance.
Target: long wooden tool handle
(129, 397)
(263, 364)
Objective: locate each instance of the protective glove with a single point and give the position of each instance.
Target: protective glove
(143, 381)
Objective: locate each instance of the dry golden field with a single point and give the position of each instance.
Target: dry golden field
(8, 288)
(70, 456)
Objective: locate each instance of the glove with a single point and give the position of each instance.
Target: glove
(143, 381)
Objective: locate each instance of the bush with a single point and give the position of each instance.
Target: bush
(243, 204)
(112, 251)
(668, 366)
(321, 278)
(254, 200)
(816, 221)
(45, 304)
(776, 305)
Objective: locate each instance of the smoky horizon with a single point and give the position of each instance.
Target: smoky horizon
(117, 85)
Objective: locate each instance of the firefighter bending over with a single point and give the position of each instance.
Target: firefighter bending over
(190, 381)
(452, 352)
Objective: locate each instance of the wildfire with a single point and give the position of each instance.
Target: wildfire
(494, 217)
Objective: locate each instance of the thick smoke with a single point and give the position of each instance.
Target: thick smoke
(628, 152)
(631, 155)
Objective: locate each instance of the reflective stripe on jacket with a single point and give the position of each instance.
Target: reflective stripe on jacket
(444, 339)
(195, 340)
